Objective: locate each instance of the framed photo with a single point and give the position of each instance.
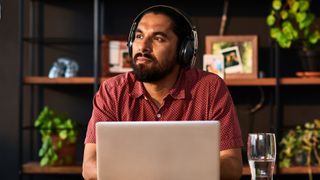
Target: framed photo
(115, 55)
(240, 54)
(214, 64)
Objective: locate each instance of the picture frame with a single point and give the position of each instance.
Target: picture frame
(214, 63)
(240, 50)
(115, 55)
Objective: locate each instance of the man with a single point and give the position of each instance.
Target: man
(164, 87)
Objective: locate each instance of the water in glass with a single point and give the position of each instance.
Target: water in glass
(261, 150)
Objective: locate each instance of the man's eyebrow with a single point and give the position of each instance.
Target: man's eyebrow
(138, 30)
(154, 33)
(161, 34)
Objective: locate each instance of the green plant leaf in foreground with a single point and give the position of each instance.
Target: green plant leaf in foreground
(50, 125)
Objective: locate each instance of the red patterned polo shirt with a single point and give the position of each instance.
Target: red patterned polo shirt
(197, 95)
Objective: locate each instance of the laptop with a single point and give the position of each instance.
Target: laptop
(165, 150)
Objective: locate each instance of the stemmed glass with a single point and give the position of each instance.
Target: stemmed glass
(261, 152)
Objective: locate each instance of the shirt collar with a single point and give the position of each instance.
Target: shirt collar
(177, 92)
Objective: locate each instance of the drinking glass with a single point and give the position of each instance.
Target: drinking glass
(261, 152)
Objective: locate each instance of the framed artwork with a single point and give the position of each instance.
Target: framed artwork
(214, 64)
(115, 55)
(240, 54)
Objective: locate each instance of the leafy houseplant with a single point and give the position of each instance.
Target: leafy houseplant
(292, 22)
(58, 136)
(301, 146)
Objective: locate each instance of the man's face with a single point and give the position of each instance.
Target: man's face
(154, 48)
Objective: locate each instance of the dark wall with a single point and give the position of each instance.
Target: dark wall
(9, 90)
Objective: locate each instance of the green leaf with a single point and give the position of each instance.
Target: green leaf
(284, 14)
(44, 161)
(68, 124)
(309, 20)
(295, 7)
(59, 145)
(276, 4)
(57, 121)
(304, 6)
(42, 151)
(285, 163)
(271, 20)
(63, 134)
(314, 37)
(42, 117)
(55, 157)
(275, 32)
(300, 17)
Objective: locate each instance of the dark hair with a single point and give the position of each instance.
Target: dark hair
(180, 22)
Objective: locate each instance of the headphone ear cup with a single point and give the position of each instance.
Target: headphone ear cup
(186, 53)
(131, 38)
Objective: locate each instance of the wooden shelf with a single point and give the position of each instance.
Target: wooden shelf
(41, 80)
(35, 168)
(272, 81)
(90, 80)
(251, 82)
(56, 40)
(45, 80)
(230, 82)
(300, 81)
(290, 170)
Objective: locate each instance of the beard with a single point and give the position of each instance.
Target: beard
(152, 71)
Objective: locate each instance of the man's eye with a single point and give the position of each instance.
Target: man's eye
(138, 36)
(160, 39)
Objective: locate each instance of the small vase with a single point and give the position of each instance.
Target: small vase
(300, 159)
(67, 153)
(310, 60)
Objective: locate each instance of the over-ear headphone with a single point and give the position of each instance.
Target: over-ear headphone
(188, 46)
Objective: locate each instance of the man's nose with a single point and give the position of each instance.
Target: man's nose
(145, 45)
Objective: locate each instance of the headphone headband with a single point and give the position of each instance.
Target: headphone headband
(187, 53)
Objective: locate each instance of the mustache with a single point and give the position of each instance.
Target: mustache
(146, 55)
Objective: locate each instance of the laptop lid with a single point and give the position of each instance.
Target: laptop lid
(165, 150)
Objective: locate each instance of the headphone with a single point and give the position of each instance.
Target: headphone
(188, 46)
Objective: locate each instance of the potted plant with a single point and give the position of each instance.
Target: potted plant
(301, 146)
(58, 135)
(292, 22)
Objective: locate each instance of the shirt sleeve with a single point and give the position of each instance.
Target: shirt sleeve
(101, 112)
(224, 111)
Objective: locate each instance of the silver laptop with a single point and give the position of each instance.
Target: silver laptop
(166, 150)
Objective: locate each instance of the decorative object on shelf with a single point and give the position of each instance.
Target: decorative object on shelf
(115, 55)
(292, 22)
(64, 67)
(308, 74)
(301, 146)
(58, 135)
(214, 64)
(240, 54)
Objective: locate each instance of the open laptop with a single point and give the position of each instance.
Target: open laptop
(165, 150)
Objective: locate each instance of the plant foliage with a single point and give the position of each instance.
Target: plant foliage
(301, 146)
(52, 124)
(292, 21)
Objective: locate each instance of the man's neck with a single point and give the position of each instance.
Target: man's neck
(160, 89)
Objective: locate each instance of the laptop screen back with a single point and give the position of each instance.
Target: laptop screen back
(170, 150)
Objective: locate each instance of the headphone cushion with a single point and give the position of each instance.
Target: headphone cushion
(186, 52)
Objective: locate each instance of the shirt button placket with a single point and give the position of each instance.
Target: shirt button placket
(158, 116)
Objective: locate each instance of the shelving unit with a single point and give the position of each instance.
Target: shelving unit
(35, 168)
(32, 44)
